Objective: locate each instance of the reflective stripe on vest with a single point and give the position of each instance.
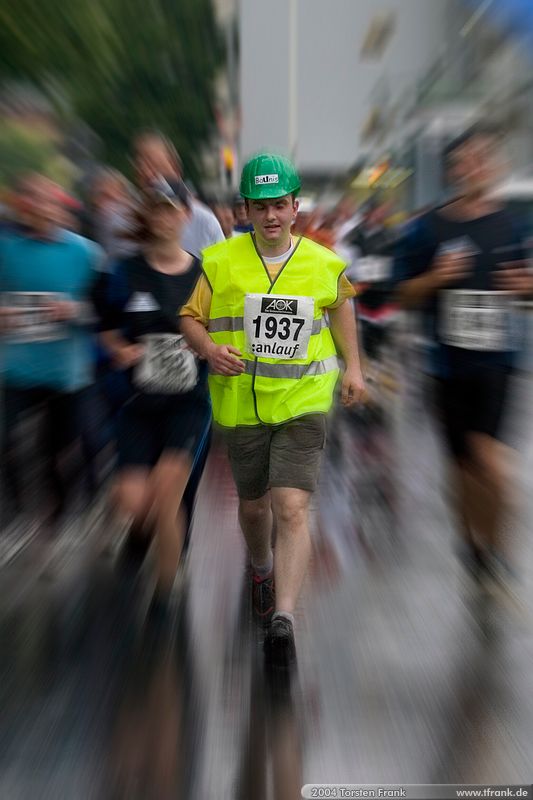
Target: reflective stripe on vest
(291, 371)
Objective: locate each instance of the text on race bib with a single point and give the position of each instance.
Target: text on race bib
(28, 317)
(477, 320)
(168, 366)
(278, 326)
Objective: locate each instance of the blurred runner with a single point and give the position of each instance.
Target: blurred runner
(273, 359)
(347, 216)
(240, 213)
(224, 213)
(373, 244)
(464, 265)
(157, 163)
(46, 274)
(309, 223)
(109, 220)
(165, 424)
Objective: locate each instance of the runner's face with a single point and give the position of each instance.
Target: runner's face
(108, 190)
(476, 165)
(39, 208)
(165, 222)
(272, 219)
(152, 160)
(241, 215)
(224, 215)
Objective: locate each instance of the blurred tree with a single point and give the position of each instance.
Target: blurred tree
(26, 149)
(120, 65)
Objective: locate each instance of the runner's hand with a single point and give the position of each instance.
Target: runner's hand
(63, 310)
(514, 277)
(450, 268)
(8, 317)
(353, 387)
(128, 355)
(222, 360)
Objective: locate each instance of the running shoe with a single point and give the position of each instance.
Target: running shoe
(263, 597)
(279, 646)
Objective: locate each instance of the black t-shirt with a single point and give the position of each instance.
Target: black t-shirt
(491, 240)
(141, 300)
(376, 242)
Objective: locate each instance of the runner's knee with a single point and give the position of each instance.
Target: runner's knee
(131, 496)
(169, 482)
(290, 508)
(254, 512)
(489, 459)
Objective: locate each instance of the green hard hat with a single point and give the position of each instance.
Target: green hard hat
(268, 176)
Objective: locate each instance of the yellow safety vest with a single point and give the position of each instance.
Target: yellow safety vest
(270, 390)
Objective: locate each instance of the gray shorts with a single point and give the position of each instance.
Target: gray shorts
(286, 455)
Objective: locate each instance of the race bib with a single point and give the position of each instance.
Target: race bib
(373, 269)
(460, 246)
(478, 320)
(28, 318)
(167, 367)
(278, 326)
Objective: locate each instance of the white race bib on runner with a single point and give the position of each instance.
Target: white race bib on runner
(477, 320)
(278, 326)
(29, 317)
(373, 269)
(168, 365)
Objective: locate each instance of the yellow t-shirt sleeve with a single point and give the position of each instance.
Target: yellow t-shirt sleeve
(198, 305)
(345, 290)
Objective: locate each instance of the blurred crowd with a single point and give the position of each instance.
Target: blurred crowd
(73, 242)
(77, 381)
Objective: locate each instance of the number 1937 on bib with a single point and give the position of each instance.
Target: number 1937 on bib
(278, 327)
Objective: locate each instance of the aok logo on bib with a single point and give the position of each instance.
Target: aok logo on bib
(278, 327)
(279, 305)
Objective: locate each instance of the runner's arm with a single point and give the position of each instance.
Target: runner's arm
(114, 299)
(196, 335)
(344, 331)
(411, 274)
(125, 354)
(222, 358)
(194, 317)
(345, 290)
(415, 292)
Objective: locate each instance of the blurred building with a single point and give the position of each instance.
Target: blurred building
(368, 93)
(314, 75)
(481, 72)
